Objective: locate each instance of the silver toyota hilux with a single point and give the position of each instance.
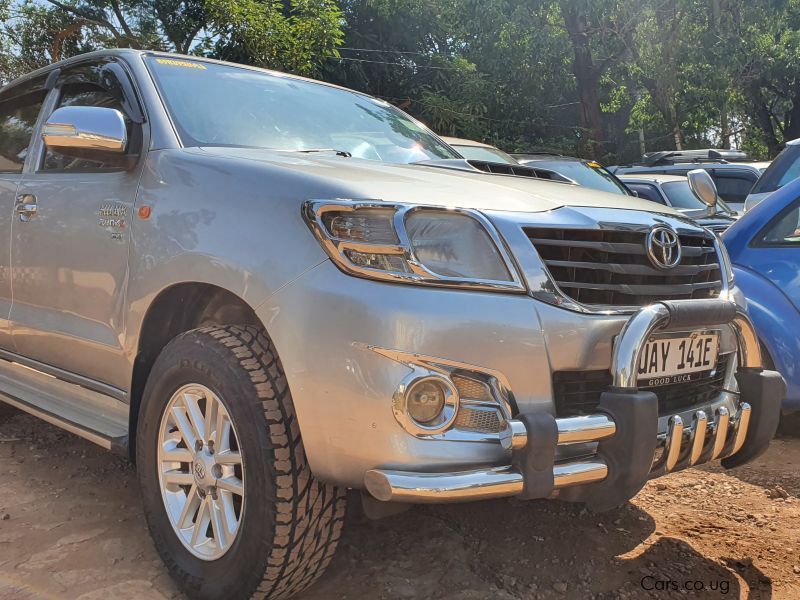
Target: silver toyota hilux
(268, 290)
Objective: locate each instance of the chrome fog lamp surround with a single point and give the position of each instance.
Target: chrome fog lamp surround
(376, 257)
(439, 423)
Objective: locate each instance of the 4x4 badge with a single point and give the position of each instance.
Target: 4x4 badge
(663, 247)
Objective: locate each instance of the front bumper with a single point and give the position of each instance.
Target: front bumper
(628, 449)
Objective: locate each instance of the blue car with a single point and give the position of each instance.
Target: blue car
(764, 246)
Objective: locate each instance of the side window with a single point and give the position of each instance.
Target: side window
(734, 187)
(83, 94)
(646, 191)
(17, 121)
(785, 229)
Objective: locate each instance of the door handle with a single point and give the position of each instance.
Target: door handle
(26, 207)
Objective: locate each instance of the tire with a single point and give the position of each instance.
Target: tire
(290, 522)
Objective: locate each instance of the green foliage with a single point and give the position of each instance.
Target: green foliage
(288, 36)
(573, 76)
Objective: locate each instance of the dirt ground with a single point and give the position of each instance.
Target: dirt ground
(71, 526)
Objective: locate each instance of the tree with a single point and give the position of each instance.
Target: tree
(293, 35)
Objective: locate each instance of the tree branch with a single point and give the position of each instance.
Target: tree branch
(88, 17)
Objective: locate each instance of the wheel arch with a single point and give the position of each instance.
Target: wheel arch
(178, 308)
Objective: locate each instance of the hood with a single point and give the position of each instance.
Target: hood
(435, 185)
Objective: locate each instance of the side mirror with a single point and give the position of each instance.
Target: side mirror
(91, 132)
(703, 186)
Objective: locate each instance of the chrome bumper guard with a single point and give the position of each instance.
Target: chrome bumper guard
(624, 429)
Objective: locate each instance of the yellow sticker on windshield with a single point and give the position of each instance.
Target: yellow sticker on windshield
(594, 165)
(181, 63)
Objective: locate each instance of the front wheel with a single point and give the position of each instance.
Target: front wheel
(229, 498)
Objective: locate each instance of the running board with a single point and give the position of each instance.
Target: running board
(94, 416)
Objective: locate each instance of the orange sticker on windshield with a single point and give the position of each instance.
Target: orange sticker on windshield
(181, 63)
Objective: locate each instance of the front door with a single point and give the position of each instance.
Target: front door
(19, 109)
(69, 250)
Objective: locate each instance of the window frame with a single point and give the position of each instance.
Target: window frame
(38, 84)
(759, 240)
(744, 174)
(130, 100)
(655, 188)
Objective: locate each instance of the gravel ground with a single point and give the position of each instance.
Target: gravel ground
(71, 526)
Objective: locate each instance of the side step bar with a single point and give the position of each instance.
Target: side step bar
(91, 415)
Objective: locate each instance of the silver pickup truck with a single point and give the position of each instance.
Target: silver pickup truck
(267, 290)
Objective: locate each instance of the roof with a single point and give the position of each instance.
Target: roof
(454, 141)
(652, 177)
(130, 52)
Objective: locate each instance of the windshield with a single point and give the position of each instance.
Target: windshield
(783, 169)
(681, 195)
(487, 154)
(587, 174)
(223, 105)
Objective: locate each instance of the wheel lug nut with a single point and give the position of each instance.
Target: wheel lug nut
(198, 445)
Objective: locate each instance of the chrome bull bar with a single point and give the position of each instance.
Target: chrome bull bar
(684, 446)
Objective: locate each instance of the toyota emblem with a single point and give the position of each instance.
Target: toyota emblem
(663, 247)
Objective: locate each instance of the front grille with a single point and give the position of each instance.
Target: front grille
(577, 393)
(610, 267)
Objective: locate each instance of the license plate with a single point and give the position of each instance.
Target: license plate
(666, 360)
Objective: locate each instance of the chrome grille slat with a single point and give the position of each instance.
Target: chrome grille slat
(632, 269)
(649, 290)
(610, 267)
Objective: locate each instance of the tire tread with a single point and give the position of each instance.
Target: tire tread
(308, 514)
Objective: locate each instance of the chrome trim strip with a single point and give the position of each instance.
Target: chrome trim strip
(674, 442)
(19, 361)
(747, 339)
(406, 486)
(632, 338)
(721, 423)
(514, 436)
(579, 473)
(698, 438)
(590, 428)
(742, 424)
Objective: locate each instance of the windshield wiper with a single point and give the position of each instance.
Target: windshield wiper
(343, 153)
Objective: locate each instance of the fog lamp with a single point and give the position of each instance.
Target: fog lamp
(425, 400)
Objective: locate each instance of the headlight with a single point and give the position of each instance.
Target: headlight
(425, 245)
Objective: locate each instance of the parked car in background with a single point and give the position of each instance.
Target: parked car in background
(782, 170)
(471, 149)
(675, 191)
(734, 180)
(587, 173)
(764, 246)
